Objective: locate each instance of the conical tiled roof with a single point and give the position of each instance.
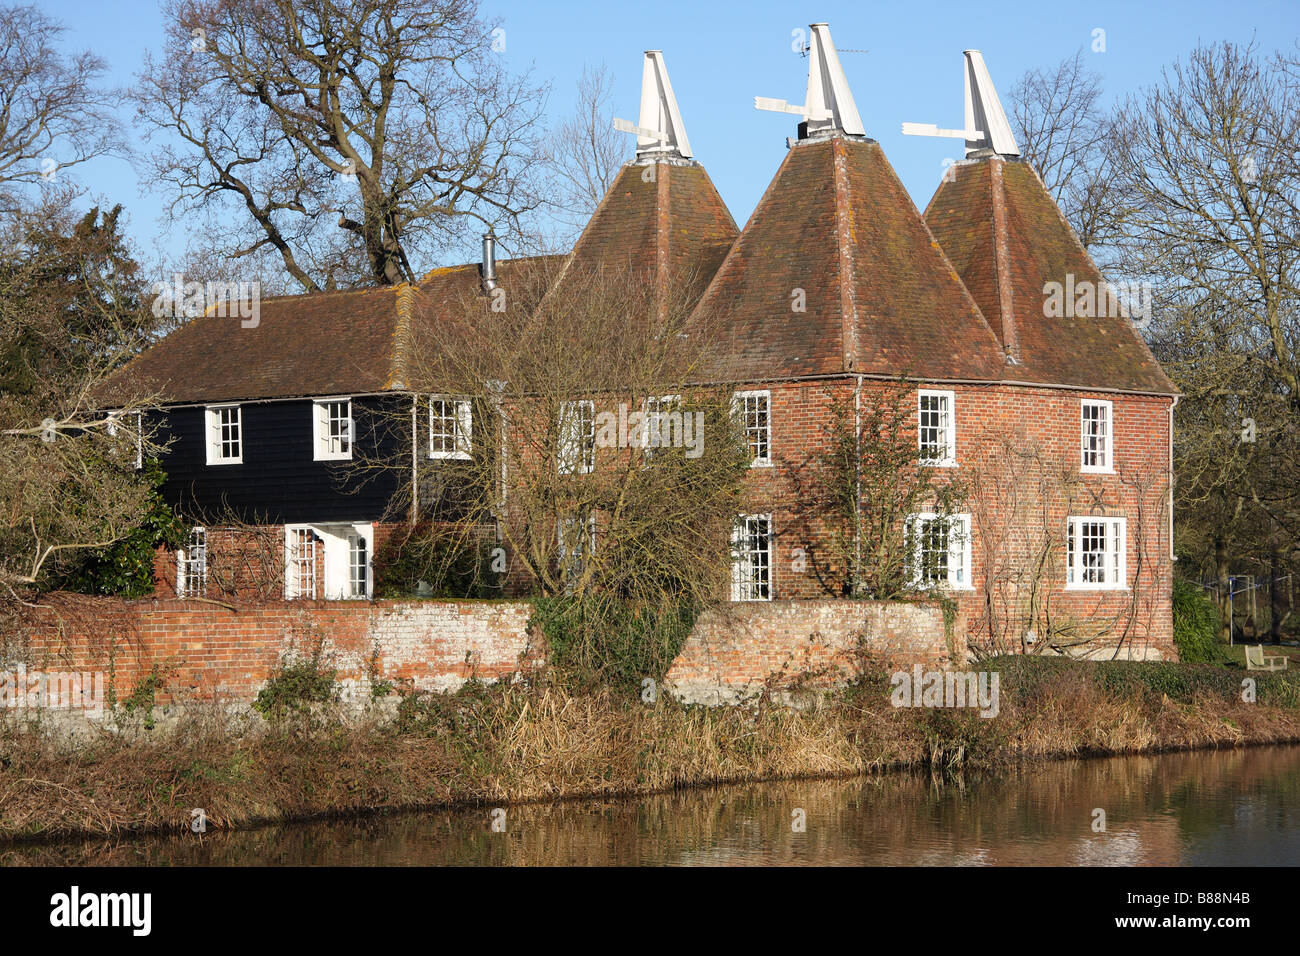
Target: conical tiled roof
(837, 229)
(1008, 240)
(663, 217)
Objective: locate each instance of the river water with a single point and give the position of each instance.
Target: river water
(1207, 808)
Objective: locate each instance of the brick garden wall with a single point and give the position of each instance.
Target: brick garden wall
(431, 645)
(211, 651)
(735, 651)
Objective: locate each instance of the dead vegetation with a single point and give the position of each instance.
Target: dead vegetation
(514, 744)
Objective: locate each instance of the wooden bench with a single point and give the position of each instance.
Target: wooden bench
(1256, 661)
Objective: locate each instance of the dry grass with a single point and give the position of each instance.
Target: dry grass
(502, 745)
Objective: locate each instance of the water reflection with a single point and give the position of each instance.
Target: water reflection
(1214, 808)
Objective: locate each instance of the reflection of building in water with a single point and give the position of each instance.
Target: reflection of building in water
(1210, 808)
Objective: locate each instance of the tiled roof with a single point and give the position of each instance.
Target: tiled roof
(882, 291)
(837, 228)
(1008, 239)
(328, 343)
(325, 343)
(338, 343)
(665, 216)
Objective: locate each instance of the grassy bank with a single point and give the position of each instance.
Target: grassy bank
(498, 745)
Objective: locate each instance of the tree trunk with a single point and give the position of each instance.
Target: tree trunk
(1275, 608)
(1221, 596)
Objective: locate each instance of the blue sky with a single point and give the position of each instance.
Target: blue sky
(721, 54)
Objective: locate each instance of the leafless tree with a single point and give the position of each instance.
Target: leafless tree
(1062, 129)
(53, 114)
(559, 475)
(1018, 492)
(1206, 168)
(856, 489)
(584, 152)
(354, 139)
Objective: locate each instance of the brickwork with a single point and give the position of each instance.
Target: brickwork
(735, 652)
(431, 645)
(1018, 457)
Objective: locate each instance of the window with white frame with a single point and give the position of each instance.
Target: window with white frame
(661, 424)
(332, 425)
(576, 454)
(299, 563)
(1096, 552)
(358, 566)
(939, 550)
(754, 411)
(751, 566)
(134, 423)
(225, 434)
(450, 427)
(192, 565)
(1096, 428)
(937, 427)
(577, 542)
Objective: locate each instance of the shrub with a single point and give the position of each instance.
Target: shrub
(1196, 625)
(1029, 679)
(297, 688)
(144, 696)
(615, 644)
(125, 568)
(446, 563)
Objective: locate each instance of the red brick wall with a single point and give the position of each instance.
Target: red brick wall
(1018, 453)
(434, 645)
(734, 652)
(208, 651)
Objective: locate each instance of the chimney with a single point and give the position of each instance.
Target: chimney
(488, 269)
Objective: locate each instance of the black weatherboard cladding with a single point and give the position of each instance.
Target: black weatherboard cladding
(279, 482)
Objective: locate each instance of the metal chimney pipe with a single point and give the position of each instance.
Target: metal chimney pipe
(489, 266)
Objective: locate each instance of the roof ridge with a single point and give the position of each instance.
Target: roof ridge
(845, 259)
(1001, 261)
(663, 236)
(404, 304)
(440, 270)
(322, 292)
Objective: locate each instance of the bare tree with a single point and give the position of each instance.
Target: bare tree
(601, 470)
(1019, 490)
(584, 153)
(356, 136)
(1206, 169)
(53, 114)
(865, 477)
(1062, 130)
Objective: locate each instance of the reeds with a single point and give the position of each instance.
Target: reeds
(499, 744)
